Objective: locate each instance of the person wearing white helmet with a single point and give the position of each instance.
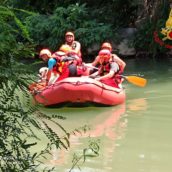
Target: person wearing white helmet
(42, 74)
(52, 74)
(60, 64)
(56, 69)
(73, 44)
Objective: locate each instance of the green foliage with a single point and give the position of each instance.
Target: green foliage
(35, 5)
(119, 13)
(145, 41)
(14, 121)
(15, 126)
(49, 30)
(144, 37)
(22, 122)
(43, 23)
(19, 119)
(14, 38)
(90, 152)
(92, 21)
(114, 12)
(7, 13)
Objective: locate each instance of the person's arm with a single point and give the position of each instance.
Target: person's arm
(107, 76)
(114, 67)
(48, 76)
(77, 48)
(93, 67)
(51, 64)
(94, 75)
(95, 62)
(120, 62)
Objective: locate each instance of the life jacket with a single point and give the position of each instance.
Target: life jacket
(59, 65)
(66, 68)
(119, 64)
(76, 59)
(105, 67)
(73, 46)
(64, 72)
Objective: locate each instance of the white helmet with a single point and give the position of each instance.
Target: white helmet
(45, 52)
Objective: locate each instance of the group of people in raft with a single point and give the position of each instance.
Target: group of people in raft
(67, 62)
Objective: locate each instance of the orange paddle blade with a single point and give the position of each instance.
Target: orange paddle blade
(141, 82)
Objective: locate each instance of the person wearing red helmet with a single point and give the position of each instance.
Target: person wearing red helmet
(108, 46)
(107, 68)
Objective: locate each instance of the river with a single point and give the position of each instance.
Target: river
(133, 137)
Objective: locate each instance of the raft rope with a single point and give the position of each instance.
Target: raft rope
(82, 83)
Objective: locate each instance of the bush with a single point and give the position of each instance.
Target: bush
(49, 30)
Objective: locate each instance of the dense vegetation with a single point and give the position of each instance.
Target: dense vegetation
(26, 27)
(21, 123)
(31, 25)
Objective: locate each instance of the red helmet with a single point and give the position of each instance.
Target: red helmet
(106, 45)
(104, 52)
(69, 34)
(45, 52)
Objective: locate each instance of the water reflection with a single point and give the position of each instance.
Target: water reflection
(108, 126)
(137, 104)
(106, 123)
(136, 137)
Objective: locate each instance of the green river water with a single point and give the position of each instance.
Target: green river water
(133, 137)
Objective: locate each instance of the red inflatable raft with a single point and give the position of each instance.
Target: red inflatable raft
(80, 90)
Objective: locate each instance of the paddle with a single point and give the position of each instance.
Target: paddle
(141, 82)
